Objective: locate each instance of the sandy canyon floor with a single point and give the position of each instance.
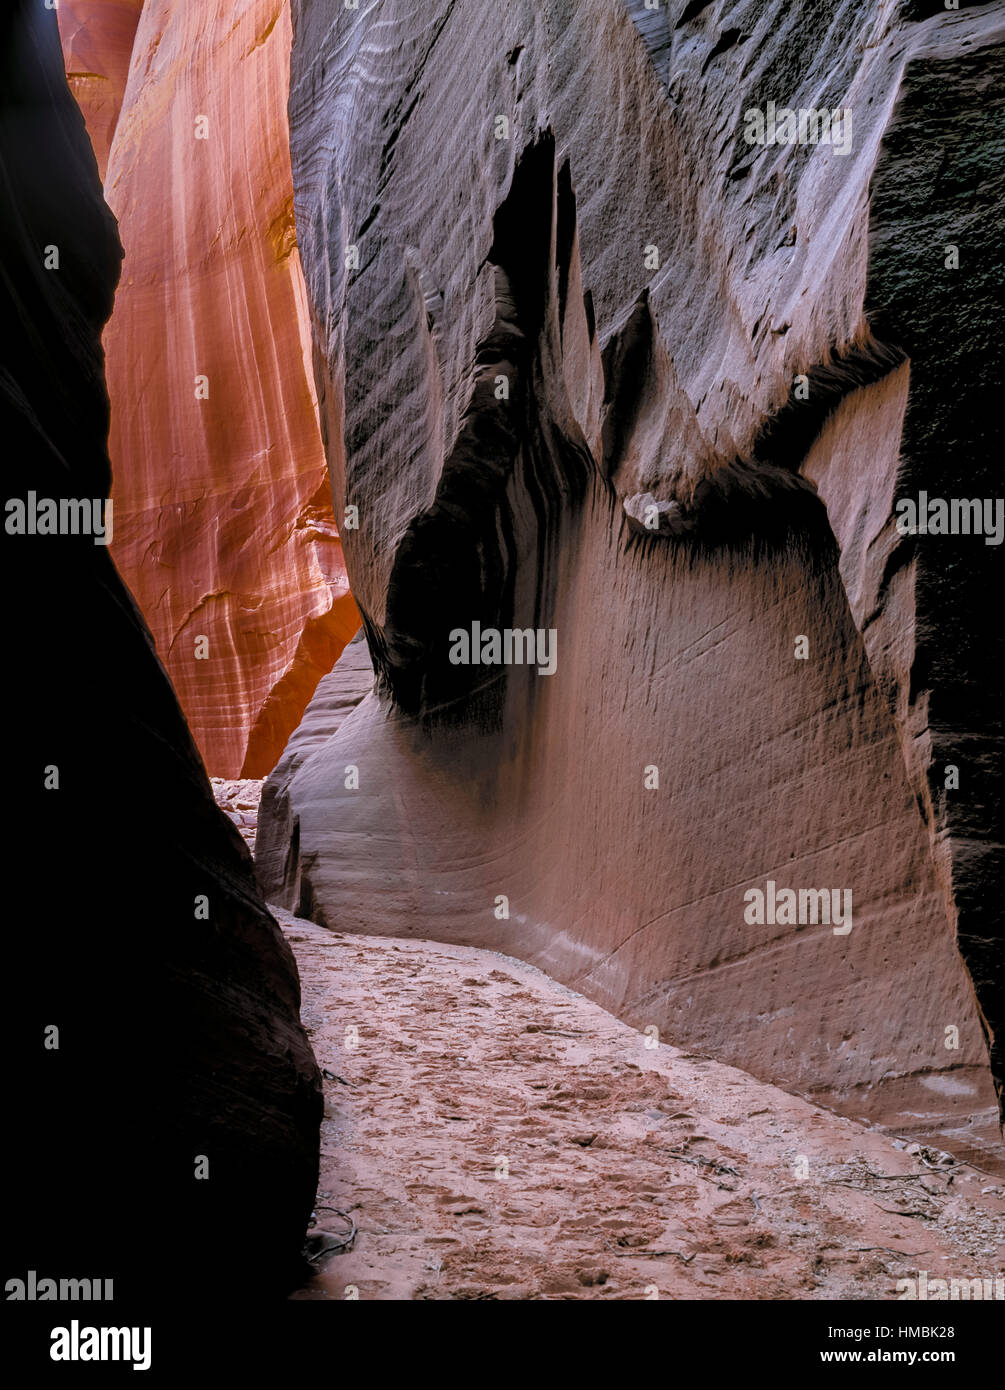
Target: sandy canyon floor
(496, 1136)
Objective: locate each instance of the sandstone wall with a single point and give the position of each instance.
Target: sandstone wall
(664, 380)
(224, 524)
(165, 1137)
(97, 38)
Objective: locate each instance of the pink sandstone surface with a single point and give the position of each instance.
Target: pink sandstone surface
(223, 520)
(97, 38)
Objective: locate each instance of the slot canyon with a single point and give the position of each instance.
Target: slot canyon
(506, 810)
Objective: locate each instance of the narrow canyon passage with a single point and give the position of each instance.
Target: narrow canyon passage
(495, 1136)
(508, 449)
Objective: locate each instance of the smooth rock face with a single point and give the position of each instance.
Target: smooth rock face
(608, 311)
(97, 38)
(223, 520)
(178, 1087)
(277, 837)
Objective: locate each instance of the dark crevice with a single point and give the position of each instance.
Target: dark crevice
(691, 11)
(483, 550)
(727, 39)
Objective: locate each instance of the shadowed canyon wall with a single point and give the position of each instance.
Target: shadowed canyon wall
(616, 372)
(223, 520)
(163, 1103)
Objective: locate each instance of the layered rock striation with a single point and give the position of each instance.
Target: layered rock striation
(160, 1085)
(223, 515)
(635, 377)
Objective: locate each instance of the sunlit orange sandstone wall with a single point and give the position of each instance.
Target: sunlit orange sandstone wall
(224, 528)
